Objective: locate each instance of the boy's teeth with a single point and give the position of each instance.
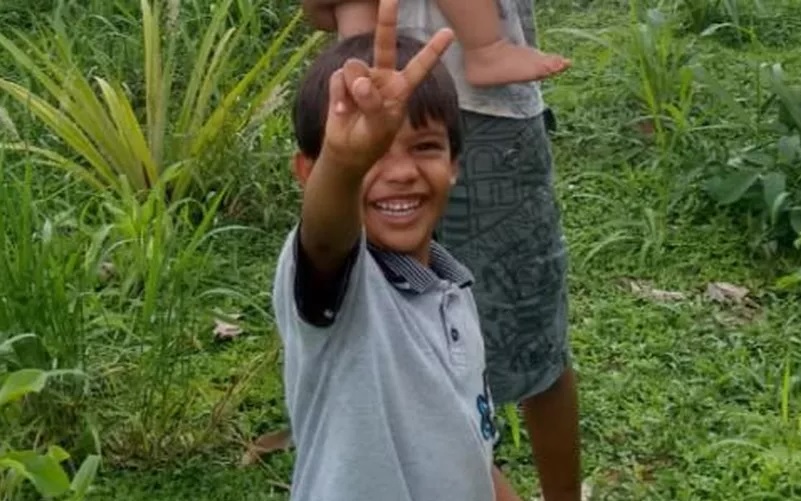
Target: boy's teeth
(398, 206)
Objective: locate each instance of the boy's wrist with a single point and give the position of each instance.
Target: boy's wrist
(345, 162)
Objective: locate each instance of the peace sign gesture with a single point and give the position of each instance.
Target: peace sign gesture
(367, 105)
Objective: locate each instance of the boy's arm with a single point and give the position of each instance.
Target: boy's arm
(331, 221)
(346, 17)
(326, 246)
(503, 491)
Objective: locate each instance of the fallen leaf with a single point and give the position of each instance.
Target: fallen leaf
(723, 292)
(266, 444)
(743, 308)
(224, 331)
(646, 291)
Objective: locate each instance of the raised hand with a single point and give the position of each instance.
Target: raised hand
(367, 105)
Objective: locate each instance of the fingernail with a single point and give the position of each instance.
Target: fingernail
(339, 107)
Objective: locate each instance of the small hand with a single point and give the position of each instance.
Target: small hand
(367, 106)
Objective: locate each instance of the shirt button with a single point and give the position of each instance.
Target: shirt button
(454, 334)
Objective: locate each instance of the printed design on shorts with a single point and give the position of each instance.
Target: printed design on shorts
(484, 405)
(503, 223)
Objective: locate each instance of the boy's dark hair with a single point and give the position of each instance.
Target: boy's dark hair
(434, 99)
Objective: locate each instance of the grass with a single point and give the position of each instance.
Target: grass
(682, 398)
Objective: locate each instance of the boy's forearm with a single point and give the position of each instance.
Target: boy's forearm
(503, 490)
(331, 214)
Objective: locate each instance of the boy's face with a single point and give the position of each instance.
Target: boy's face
(405, 193)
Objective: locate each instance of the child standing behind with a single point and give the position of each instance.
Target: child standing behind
(383, 356)
(489, 58)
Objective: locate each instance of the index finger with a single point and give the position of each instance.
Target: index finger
(428, 57)
(384, 51)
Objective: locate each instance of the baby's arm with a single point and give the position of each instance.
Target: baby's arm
(346, 17)
(476, 23)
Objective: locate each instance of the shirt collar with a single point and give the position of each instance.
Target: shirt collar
(406, 273)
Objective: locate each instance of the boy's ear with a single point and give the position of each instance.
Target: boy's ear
(454, 171)
(301, 167)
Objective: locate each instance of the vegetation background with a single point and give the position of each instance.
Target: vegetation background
(145, 191)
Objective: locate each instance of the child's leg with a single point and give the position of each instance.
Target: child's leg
(489, 58)
(356, 17)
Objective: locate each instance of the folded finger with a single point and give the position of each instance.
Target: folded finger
(354, 69)
(366, 96)
(338, 100)
(428, 57)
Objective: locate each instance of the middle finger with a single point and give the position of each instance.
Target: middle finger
(384, 52)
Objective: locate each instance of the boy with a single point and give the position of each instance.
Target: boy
(503, 222)
(489, 58)
(384, 360)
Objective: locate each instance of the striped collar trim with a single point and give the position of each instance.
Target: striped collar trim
(406, 273)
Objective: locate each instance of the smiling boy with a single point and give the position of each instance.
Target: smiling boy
(384, 360)
(503, 222)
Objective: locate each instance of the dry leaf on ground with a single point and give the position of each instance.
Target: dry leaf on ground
(744, 310)
(724, 292)
(647, 291)
(265, 444)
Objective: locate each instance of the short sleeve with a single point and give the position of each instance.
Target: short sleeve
(301, 300)
(319, 303)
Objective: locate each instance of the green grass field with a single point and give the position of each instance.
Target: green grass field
(678, 151)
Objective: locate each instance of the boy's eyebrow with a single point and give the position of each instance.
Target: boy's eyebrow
(431, 127)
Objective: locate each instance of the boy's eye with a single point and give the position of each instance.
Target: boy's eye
(429, 146)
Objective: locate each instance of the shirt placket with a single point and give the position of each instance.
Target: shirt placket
(451, 322)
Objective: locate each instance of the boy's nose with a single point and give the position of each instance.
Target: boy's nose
(399, 168)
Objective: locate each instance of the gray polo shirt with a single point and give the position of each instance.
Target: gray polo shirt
(422, 18)
(385, 379)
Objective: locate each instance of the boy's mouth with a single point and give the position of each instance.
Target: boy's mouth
(398, 207)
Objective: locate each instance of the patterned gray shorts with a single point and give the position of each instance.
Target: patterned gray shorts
(503, 222)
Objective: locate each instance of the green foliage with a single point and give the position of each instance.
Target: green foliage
(704, 14)
(656, 71)
(764, 176)
(44, 280)
(181, 133)
(43, 470)
(123, 282)
(127, 279)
